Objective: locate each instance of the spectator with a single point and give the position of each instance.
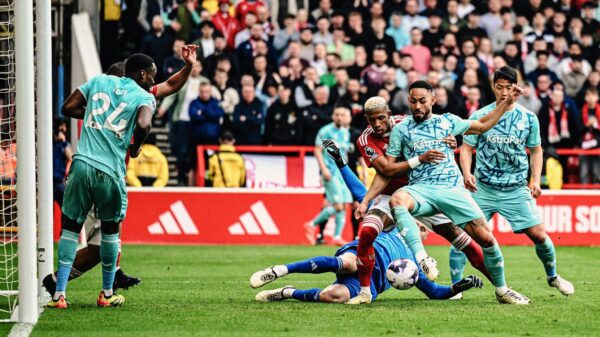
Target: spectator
(262, 76)
(443, 102)
(246, 51)
(206, 117)
(186, 15)
(512, 56)
(293, 52)
(590, 115)
(593, 81)
(150, 168)
(574, 78)
(504, 33)
(539, 30)
(211, 63)
(372, 76)
(471, 104)
(378, 39)
(206, 40)
(323, 35)
(62, 155)
(389, 83)
(485, 55)
(449, 75)
(157, 44)
(151, 8)
(395, 30)
(337, 20)
(339, 88)
(286, 34)
(263, 14)
(323, 12)
(420, 54)
(175, 62)
(225, 23)
(244, 7)
(492, 20)
(590, 24)
(226, 167)
(307, 49)
(245, 33)
(449, 45)
(224, 92)
(354, 100)
(8, 160)
(530, 62)
(340, 47)
(248, 118)
(359, 64)
(302, 19)
(412, 19)
(356, 30)
(452, 22)
(529, 99)
(283, 124)
(472, 30)
(403, 63)
(566, 64)
(332, 62)
(543, 87)
(542, 57)
(433, 36)
(320, 62)
(464, 8)
(303, 94)
(315, 116)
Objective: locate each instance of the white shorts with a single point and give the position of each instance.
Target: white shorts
(382, 203)
(92, 226)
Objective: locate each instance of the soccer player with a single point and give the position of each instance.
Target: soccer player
(439, 187)
(500, 181)
(336, 192)
(388, 246)
(88, 257)
(113, 109)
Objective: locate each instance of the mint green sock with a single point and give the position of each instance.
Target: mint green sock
(67, 248)
(109, 251)
(407, 225)
(324, 214)
(545, 251)
(340, 222)
(494, 263)
(458, 260)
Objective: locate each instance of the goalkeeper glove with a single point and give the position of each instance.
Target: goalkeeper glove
(334, 152)
(467, 283)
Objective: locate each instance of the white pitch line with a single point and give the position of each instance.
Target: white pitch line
(24, 329)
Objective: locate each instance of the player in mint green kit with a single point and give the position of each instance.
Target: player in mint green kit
(113, 110)
(336, 192)
(500, 181)
(438, 187)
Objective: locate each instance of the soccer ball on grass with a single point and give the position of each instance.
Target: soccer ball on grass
(402, 274)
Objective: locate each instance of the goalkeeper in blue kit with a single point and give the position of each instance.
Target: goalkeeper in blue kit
(113, 110)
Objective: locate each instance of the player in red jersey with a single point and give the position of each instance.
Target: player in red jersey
(89, 257)
(372, 145)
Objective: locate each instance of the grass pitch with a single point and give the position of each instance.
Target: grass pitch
(203, 291)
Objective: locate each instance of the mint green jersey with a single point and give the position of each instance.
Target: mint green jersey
(110, 117)
(342, 138)
(501, 151)
(409, 139)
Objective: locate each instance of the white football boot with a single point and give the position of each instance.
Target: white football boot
(429, 267)
(512, 297)
(565, 287)
(265, 276)
(274, 295)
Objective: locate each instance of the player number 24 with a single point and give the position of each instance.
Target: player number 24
(108, 122)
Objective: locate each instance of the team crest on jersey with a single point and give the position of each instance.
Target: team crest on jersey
(370, 153)
(521, 125)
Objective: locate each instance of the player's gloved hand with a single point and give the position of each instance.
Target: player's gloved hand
(451, 141)
(334, 152)
(470, 182)
(432, 156)
(467, 283)
(134, 151)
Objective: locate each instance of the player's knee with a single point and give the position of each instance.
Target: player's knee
(537, 234)
(326, 296)
(400, 199)
(338, 207)
(70, 224)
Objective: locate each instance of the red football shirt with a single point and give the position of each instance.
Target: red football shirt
(372, 146)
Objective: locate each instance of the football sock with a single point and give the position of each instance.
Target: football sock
(308, 295)
(316, 265)
(494, 262)
(324, 215)
(410, 231)
(119, 256)
(67, 248)
(109, 250)
(475, 255)
(340, 222)
(457, 264)
(356, 187)
(365, 253)
(545, 251)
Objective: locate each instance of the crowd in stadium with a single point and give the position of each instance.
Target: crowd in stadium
(272, 71)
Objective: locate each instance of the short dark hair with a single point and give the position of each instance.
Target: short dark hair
(226, 136)
(542, 52)
(420, 84)
(138, 62)
(116, 69)
(505, 73)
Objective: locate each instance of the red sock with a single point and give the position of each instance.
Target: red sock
(475, 256)
(366, 255)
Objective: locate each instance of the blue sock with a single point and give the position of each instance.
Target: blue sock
(109, 251)
(324, 214)
(340, 222)
(67, 248)
(545, 251)
(356, 187)
(410, 231)
(494, 263)
(308, 295)
(458, 260)
(316, 265)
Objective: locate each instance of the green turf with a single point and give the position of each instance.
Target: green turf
(203, 291)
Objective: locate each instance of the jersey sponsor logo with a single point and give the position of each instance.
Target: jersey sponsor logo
(174, 222)
(426, 144)
(499, 139)
(370, 153)
(521, 125)
(257, 221)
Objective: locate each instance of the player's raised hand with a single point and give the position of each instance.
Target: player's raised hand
(536, 190)
(467, 283)
(432, 156)
(451, 141)
(188, 52)
(334, 152)
(134, 151)
(361, 211)
(514, 94)
(470, 182)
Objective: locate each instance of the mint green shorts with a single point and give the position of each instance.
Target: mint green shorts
(518, 207)
(89, 187)
(336, 191)
(454, 202)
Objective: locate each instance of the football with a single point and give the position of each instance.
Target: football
(402, 274)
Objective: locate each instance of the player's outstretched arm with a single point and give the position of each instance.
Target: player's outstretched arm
(143, 124)
(177, 80)
(466, 160)
(74, 106)
(356, 187)
(394, 169)
(537, 161)
(438, 292)
(488, 121)
(379, 184)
